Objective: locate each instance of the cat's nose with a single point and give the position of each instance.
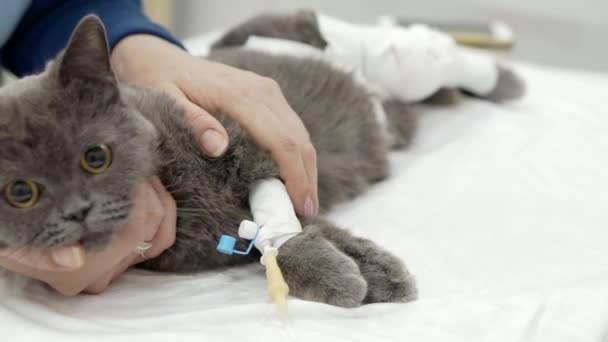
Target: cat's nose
(77, 211)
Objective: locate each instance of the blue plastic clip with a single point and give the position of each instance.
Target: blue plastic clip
(227, 243)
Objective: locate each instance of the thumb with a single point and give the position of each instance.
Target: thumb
(210, 134)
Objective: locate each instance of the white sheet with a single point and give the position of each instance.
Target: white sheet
(500, 212)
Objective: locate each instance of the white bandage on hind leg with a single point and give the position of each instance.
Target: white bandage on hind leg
(407, 63)
(272, 209)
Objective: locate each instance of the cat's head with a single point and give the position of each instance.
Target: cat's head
(71, 150)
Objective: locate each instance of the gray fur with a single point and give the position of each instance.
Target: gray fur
(403, 121)
(444, 96)
(77, 103)
(302, 27)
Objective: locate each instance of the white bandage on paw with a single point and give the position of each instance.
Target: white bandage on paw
(272, 209)
(407, 63)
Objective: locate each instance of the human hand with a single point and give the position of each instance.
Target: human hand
(70, 271)
(256, 102)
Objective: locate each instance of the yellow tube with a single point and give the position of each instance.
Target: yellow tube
(277, 288)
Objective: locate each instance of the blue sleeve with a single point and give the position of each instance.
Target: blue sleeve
(45, 29)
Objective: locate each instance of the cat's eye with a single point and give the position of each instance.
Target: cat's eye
(96, 159)
(22, 193)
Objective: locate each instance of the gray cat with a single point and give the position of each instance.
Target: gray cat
(74, 143)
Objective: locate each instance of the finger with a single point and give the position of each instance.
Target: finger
(103, 282)
(165, 236)
(134, 230)
(269, 133)
(149, 215)
(100, 284)
(132, 233)
(299, 187)
(210, 134)
(309, 155)
(68, 258)
(155, 212)
(272, 102)
(266, 128)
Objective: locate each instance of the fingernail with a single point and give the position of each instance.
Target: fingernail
(213, 142)
(309, 207)
(70, 257)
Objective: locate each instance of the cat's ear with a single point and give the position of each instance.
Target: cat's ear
(87, 56)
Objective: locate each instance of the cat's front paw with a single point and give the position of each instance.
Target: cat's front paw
(388, 280)
(347, 289)
(316, 270)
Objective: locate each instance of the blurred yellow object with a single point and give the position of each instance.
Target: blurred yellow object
(480, 40)
(277, 288)
(493, 34)
(161, 11)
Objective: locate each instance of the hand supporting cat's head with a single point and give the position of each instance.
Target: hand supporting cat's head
(71, 151)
